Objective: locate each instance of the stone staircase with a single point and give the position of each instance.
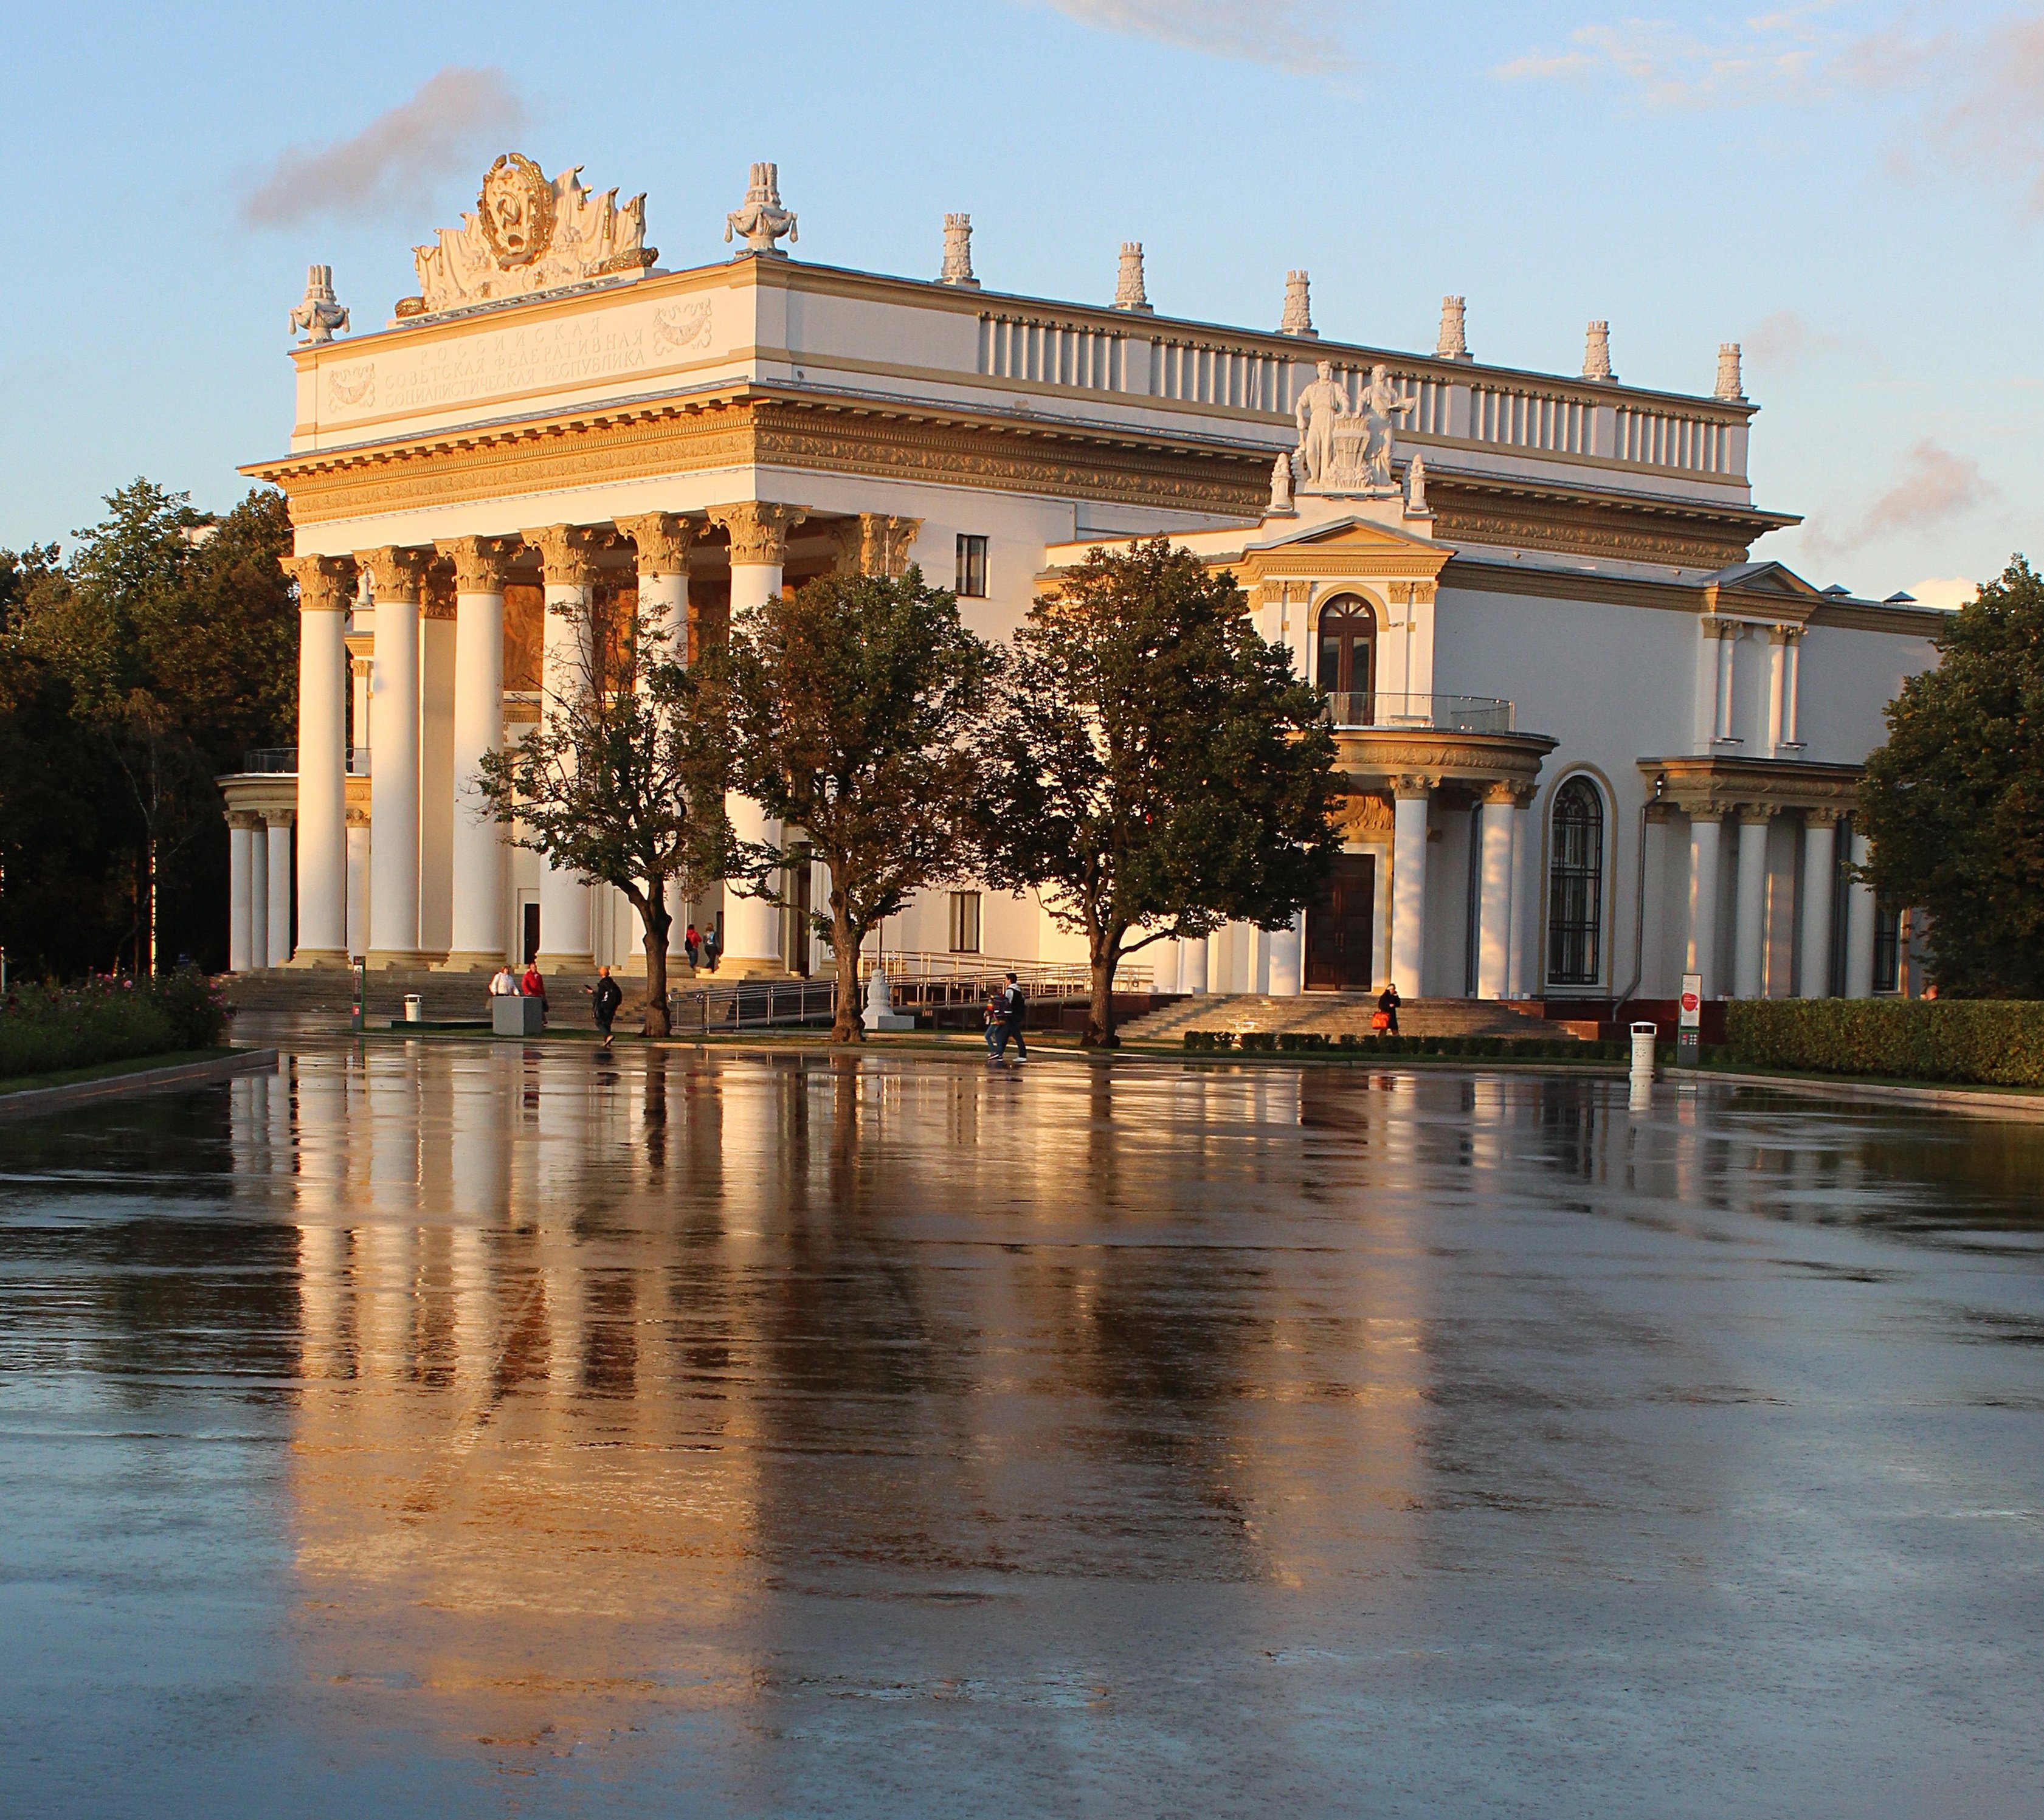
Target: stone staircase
(1333, 1014)
(322, 994)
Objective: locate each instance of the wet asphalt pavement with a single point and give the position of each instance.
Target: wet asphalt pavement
(459, 1430)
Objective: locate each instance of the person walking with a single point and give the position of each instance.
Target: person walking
(504, 983)
(1387, 1002)
(692, 947)
(1014, 1014)
(996, 1027)
(710, 945)
(608, 996)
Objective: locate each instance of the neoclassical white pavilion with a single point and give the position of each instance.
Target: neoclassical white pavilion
(1556, 673)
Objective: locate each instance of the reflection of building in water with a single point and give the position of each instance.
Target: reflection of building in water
(594, 1359)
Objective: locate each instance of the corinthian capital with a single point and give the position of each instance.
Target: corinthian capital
(395, 572)
(482, 565)
(567, 554)
(326, 584)
(662, 540)
(758, 529)
(875, 544)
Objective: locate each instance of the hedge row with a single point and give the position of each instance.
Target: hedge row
(1517, 1048)
(1994, 1042)
(45, 1029)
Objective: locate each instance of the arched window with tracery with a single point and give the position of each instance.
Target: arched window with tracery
(1575, 885)
(1347, 657)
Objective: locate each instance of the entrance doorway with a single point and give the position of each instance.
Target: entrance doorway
(531, 932)
(1339, 928)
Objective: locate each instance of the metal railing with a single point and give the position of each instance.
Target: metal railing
(282, 761)
(752, 1004)
(1041, 978)
(1444, 713)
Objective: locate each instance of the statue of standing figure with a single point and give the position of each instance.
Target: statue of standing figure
(1382, 401)
(1320, 407)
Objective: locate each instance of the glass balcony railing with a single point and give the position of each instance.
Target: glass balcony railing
(1438, 713)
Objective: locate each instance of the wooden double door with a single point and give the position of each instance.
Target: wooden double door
(1340, 926)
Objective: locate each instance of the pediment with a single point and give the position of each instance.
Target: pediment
(1336, 549)
(1761, 590)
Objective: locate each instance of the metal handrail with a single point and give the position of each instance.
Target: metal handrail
(910, 965)
(1445, 713)
(752, 1004)
(270, 760)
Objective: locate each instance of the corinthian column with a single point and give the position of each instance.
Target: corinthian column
(437, 659)
(758, 547)
(567, 554)
(1495, 827)
(1820, 858)
(1409, 887)
(661, 540)
(1749, 923)
(398, 578)
(325, 586)
(479, 934)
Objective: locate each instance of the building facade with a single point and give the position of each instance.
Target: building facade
(1587, 743)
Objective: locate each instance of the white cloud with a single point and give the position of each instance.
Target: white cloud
(1945, 590)
(457, 120)
(1933, 486)
(1292, 34)
(1775, 57)
(1788, 339)
(1992, 121)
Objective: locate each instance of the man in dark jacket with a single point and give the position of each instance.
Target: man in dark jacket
(608, 996)
(1387, 1002)
(1014, 1014)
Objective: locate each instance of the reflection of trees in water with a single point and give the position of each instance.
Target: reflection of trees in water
(118, 1231)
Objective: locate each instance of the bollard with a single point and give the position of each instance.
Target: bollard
(415, 1009)
(1642, 1053)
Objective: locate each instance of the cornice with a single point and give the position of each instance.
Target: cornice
(1697, 784)
(1378, 760)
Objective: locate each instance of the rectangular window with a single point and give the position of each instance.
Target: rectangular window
(965, 922)
(1887, 950)
(971, 567)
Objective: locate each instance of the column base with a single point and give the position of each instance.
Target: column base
(408, 960)
(582, 963)
(471, 961)
(322, 957)
(749, 967)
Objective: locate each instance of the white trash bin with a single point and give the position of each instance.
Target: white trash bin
(415, 1008)
(1643, 1052)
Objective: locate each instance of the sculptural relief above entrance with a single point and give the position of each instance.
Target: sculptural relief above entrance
(527, 236)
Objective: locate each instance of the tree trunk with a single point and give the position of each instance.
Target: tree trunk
(849, 1024)
(657, 925)
(1100, 1015)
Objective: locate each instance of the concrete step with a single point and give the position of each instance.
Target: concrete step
(1334, 1014)
(449, 997)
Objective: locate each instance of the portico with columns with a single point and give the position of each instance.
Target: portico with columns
(1583, 736)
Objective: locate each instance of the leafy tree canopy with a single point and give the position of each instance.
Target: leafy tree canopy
(1954, 801)
(850, 704)
(1157, 769)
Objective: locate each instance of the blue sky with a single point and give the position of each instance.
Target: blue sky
(1855, 191)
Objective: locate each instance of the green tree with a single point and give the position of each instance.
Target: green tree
(177, 637)
(1157, 769)
(622, 781)
(1954, 801)
(850, 703)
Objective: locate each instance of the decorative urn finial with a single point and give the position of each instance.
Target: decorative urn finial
(1597, 352)
(1453, 343)
(320, 313)
(957, 252)
(1298, 307)
(1128, 291)
(1731, 383)
(1416, 487)
(762, 220)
